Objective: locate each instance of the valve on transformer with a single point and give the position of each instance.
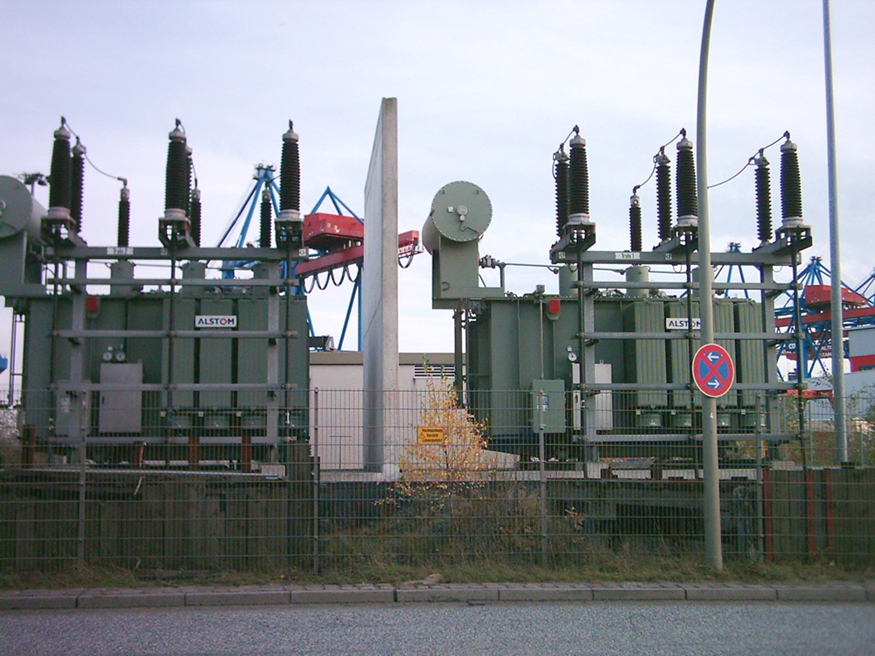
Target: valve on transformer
(289, 225)
(174, 229)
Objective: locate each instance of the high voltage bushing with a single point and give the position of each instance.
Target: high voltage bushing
(663, 194)
(289, 224)
(189, 168)
(560, 173)
(688, 204)
(196, 216)
(635, 241)
(176, 181)
(578, 202)
(791, 186)
(264, 226)
(61, 175)
(124, 217)
(290, 173)
(77, 184)
(764, 198)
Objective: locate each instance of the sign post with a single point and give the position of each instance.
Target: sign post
(713, 371)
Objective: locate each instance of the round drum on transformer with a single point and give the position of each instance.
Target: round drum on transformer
(19, 210)
(461, 211)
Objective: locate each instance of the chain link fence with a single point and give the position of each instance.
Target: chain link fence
(297, 480)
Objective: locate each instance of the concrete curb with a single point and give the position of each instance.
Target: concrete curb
(458, 593)
(639, 593)
(746, 593)
(130, 600)
(545, 593)
(37, 602)
(808, 593)
(237, 598)
(342, 595)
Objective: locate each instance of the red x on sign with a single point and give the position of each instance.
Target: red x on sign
(713, 370)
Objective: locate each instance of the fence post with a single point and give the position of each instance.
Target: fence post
(542, 461)
(759, 460)
(316, 479)
(83, 467)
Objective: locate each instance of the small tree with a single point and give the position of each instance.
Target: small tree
(461, 457)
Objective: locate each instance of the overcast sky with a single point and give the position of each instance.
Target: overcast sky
(486, 92)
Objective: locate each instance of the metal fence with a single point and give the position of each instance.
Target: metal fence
(301, 479)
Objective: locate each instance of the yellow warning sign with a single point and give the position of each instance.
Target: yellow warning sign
(429, 435)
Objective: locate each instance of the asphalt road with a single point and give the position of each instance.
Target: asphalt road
(423, 629)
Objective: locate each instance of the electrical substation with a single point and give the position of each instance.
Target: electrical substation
(123, 378)
(186, 361)
(183, 354)
(608, 362)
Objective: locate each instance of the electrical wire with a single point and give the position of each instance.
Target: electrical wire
(655, 159)
(730, 179)
(750, 161)
(124, 181)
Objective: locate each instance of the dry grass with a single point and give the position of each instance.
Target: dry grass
(683, 569)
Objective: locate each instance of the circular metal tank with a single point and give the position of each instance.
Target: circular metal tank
(460, 212)
(19, 210)
(638, 273)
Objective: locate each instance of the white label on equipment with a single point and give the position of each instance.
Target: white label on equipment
(215, 321)
(681, 323)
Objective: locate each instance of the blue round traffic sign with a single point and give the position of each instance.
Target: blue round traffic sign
(713, 370)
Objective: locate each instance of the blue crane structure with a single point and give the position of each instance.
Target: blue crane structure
(335, 241)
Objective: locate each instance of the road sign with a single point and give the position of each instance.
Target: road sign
(713, 370)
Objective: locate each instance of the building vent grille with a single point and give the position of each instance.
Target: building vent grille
(421, 371)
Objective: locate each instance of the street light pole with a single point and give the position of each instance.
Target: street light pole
(711, 474)
(835, 264)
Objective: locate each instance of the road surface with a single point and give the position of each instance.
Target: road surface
(421, 629)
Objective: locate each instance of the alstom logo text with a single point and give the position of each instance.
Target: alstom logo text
(215, 321)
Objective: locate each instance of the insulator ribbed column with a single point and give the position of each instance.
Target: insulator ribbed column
(685, 185)
(77, 186)
(176, 181)
(764, 198)
(560, 173)
(663, 194)
(578, 202)
(791, 186)
(264, 225)
(196, 216)
(60, 179)
(635, 240)
(189, 166)
(290, 172)
(124, 217)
